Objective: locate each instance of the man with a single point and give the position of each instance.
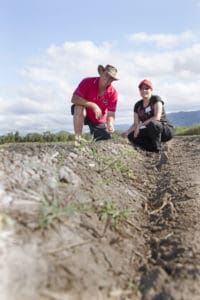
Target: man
(94, 104)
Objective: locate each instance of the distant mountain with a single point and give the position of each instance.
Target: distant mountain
(184, 118)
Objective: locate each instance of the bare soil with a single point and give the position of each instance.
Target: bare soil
(100, 221)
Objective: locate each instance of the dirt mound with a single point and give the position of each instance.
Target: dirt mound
(99, 221)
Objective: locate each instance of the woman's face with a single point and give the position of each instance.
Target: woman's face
(145, 91)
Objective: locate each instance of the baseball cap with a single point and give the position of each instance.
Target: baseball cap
(146, 82)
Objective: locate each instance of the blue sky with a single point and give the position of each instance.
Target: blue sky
(47, 47)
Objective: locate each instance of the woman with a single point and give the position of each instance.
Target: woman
(151, 126)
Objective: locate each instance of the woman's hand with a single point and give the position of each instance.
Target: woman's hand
(124, 133)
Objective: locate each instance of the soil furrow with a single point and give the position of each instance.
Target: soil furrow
(174, 267)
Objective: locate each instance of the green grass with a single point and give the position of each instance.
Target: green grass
(53, 210)
(122, 167)
(113, 162)
(109, 210)
(192, 130)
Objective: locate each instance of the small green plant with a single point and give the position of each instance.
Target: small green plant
(134, 287)
(6, 222)
(109, 211)
(122, 167)
(101, 158)
(51, 210)
(114, 163)
(130, 153)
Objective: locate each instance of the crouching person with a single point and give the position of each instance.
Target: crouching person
(94, 104)
(151, 126)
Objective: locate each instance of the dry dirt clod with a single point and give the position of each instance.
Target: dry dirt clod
(165, 200)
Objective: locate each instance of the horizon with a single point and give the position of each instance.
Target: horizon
(118, 126)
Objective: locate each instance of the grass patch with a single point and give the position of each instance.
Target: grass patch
(109, 211)
(192, 130)
(122, 167)
(113, 162)
(53, 210)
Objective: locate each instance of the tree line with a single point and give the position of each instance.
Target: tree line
(36, 137)
(46, 137)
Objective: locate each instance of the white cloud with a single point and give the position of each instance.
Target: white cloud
(35, 123)
(43, 102)
(183, 62)
(4, 105)
(167, 41)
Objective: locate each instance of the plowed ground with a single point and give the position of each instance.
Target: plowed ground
(100, 221)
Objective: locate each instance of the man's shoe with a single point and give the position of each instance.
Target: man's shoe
(80, 141)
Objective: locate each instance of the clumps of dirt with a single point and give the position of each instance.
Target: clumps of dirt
(77, 221)
(99, 221)
(173, 214)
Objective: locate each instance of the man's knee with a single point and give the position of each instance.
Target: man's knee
(78, 110)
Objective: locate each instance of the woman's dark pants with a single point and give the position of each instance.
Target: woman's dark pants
(150, 138)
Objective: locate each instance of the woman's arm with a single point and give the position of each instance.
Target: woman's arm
(157, 113)
(136, 121)
(137, 124)
(132, 127)
(129, 130)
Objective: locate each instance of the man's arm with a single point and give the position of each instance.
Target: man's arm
(110, 121)
(77, 100)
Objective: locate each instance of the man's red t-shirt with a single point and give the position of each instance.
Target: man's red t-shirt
(88, 89)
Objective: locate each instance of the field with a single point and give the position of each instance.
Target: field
(100, 221)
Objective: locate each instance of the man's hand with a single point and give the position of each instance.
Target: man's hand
(110, 128)
(97, 111)
(110, 122)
